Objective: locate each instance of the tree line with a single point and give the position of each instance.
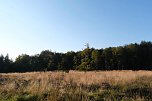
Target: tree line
(127, 57)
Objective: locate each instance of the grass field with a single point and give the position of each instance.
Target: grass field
(77, 86)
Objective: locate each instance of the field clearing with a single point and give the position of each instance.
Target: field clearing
(77, 86)
(90, 77)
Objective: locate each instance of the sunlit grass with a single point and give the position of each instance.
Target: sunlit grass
(76, 86)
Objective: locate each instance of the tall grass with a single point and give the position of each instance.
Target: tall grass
(77, 86)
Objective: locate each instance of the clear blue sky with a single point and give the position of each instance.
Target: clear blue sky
(30, 26)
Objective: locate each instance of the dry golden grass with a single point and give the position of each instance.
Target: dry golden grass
(46, 79)
(41, 82)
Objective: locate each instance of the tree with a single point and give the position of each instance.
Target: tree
(46, 60)
(2, 63)
(127, 57)
(22, 63)
(97, 59)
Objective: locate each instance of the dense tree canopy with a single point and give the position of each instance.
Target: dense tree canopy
(128, 57)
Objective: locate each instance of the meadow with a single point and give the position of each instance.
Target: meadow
(77, 86)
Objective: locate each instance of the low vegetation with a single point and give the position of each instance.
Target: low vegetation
(77, 86)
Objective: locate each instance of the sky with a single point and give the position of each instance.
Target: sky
(30, 26)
